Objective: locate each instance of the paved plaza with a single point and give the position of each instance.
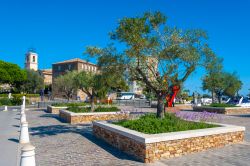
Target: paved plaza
(9, 135)
(61, 144)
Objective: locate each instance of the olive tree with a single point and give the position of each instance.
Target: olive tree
(65, 85)
(97, 84)
(89, 84)
(155, 54)
(34, 82)
(219, 82)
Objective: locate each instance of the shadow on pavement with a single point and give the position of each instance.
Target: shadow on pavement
(52, 116)
(115, 152)
(242, 116)
(83, 129)
(14, 140)
(43, 131)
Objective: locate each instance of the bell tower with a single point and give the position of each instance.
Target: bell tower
(31, 60)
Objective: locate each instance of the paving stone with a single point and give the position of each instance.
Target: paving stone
(61, 144)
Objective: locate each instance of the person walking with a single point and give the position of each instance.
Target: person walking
(49, 95)
(173, 102)
(41, 94)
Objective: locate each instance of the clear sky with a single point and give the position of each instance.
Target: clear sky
(60, 29)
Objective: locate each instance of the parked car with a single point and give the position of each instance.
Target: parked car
(142, 96)
(125, 96)
(206, 101)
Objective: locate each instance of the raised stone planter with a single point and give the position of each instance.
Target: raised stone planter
(226, 110)
(150, 147)
(54, 110)
(75, 118)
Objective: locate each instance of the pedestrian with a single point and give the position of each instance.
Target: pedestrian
(49, 95)
(173, 102)
(42, 94)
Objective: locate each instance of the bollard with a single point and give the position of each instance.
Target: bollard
(22, 109)
(23, 117)
(24, 102)
(24, 133)
(5, 108)
(28, 156)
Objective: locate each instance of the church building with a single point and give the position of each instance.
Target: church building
(31, 63)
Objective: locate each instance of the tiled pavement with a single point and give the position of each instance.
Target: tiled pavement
(61, 144)
(9, 127)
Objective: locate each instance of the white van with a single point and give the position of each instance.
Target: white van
(125, 96)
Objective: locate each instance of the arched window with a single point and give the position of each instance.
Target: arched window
(34, 58)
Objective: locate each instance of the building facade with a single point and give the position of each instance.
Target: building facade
(47, 76)
(76, 64)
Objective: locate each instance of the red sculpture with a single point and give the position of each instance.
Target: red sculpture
(170, 98)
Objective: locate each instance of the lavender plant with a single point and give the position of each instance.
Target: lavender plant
(198, 116)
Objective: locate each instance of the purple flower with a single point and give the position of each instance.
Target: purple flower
(198, 116)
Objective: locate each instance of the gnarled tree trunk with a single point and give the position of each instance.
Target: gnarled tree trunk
(160, 106)
(92, 100)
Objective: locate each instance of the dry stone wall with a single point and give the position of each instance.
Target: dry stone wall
(150, 152)
(227, 111)
(54, 110)
(76, 118)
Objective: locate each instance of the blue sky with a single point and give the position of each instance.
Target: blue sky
(61, 29)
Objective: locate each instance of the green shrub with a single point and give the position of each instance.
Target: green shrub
(3, 95)
(79, 110)
(12, 102)
(16, 100)
(88, 109)
(5, 101)
(106, 109)
(221, 105)
(20, 95)
(32, 95)
(68, 104)
(150, 124)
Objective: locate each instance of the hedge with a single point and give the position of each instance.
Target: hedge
(20, 95)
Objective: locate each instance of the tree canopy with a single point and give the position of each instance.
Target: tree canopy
(89, 83)
(34, 82)
(155, 54)
(65, 85)
(219, 82)
(11, 74)
(97, 84)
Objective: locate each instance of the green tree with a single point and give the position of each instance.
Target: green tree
(88, 82)
(111, 65)
(206, 96)
(183, 95)
(218, 82)
(222, 83)
(155, 54)
(214, 84)
(233, 84)
(34, 82)
(11, 74)
(96, 84)
(212, 80)
(65, 85)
